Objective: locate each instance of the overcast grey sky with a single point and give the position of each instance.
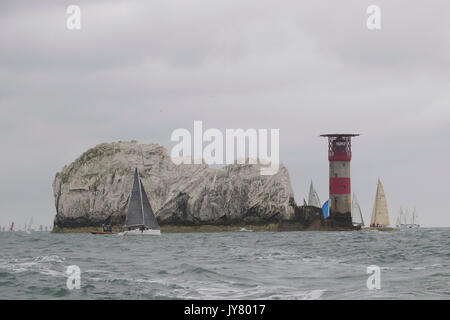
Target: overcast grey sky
(140, 69)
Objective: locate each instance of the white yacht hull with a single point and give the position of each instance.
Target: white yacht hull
(137, 232)
(408, 226)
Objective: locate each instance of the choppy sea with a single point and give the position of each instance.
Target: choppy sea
(413, 264)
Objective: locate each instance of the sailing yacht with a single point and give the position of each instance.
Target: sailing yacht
(380, 214)
(30, 226)
(407, 221)
(357, 218)
(140, 218)
(313, 198)
(415, 222)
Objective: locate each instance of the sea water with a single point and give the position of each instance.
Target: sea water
(413, 264)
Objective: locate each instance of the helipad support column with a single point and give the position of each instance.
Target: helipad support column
(339, 155)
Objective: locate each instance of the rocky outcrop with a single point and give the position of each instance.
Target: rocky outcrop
(98, 183)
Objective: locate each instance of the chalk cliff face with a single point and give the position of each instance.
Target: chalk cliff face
(98, 184)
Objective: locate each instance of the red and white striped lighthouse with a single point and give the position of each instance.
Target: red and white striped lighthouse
(339, 156)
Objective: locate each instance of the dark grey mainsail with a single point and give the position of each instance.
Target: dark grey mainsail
(149, 217)
(140, 212)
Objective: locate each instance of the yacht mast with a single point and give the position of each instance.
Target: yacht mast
(140, 194)
(140, 187)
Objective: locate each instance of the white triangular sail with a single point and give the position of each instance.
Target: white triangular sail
(380, 214)
(313, 198)
(356, 212)
(30, 225)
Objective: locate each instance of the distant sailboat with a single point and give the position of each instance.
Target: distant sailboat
(357, 218)
(415, 222)
(313, 198)
(107, 227)
(140, 217)
(380, 214)
(30, 225)
(399, 218)
(404, 221)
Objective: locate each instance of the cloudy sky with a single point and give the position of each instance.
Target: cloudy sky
(140, 69)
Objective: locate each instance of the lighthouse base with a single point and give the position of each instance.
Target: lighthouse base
(341, 220)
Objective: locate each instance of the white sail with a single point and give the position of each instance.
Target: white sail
(398, 221)
(313, 198)
(406, 216)
(408, 220)
(356, 211)
(30, 225)
(415, 220)
(380, 214)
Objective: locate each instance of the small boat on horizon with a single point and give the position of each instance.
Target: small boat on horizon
(406, 220)
(30, 227)
(107, 227)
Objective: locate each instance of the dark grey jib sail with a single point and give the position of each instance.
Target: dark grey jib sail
(108, 220)
(140, 212)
